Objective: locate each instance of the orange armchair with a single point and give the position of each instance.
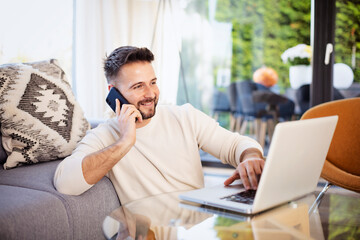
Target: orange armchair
(342, 164)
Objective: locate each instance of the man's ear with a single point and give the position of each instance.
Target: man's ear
(110, 86)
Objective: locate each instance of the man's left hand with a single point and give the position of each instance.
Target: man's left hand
(249, 170)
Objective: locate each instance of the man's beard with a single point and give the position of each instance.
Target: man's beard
(152, 113)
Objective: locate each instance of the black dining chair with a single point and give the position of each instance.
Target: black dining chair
(254, 113)
(236, 116)
(303, 97)
(220, 104)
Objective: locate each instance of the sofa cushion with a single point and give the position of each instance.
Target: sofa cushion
(40, 118)
(32, 214)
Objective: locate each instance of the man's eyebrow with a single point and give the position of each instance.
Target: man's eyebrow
(138, 83)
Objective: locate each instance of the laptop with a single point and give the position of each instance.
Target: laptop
(292, 169)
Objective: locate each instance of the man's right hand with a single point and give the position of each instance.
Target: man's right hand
(127, 117)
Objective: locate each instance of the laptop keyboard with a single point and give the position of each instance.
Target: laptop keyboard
(242, 197)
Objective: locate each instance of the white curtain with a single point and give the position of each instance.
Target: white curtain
(102, 26)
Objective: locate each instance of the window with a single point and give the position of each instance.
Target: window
(226, 41)
(36, 30)
(347, 46)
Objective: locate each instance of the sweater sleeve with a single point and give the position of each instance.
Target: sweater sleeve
(68, 177)
(218, 141)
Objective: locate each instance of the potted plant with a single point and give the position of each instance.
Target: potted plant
(299, 58)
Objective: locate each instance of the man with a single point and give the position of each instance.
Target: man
(148, 149)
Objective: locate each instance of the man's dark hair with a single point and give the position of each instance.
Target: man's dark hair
(124, 55)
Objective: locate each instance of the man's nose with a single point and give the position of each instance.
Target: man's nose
(149, 93)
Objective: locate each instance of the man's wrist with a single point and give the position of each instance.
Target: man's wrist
(125, 143)
(251, 153)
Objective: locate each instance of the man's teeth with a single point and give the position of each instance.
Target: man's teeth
(147, 104)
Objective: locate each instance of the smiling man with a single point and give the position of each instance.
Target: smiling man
(148, 149)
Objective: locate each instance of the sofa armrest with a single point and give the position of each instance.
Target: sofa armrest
(84, 214)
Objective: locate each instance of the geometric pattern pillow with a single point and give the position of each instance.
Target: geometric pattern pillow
(40, 118)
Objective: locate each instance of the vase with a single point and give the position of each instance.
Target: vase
(300, 75)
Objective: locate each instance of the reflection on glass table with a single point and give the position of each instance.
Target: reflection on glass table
(166, 217)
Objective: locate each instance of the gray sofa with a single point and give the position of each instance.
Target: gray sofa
(41, 120)
(31, 208)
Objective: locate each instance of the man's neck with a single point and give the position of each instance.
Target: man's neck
(143, 123)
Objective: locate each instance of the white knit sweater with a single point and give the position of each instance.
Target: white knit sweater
(165, 157)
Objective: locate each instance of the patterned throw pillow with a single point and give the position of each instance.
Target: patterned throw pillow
(40, 118)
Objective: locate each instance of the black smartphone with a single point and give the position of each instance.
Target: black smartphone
(115, 94)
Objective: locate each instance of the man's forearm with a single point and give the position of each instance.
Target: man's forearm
(96, 165)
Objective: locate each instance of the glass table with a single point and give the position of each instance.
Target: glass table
(337, 216)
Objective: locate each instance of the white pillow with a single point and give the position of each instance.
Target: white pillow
(40, 118)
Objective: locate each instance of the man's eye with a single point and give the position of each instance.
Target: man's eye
(153, 83)
(138, 86)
